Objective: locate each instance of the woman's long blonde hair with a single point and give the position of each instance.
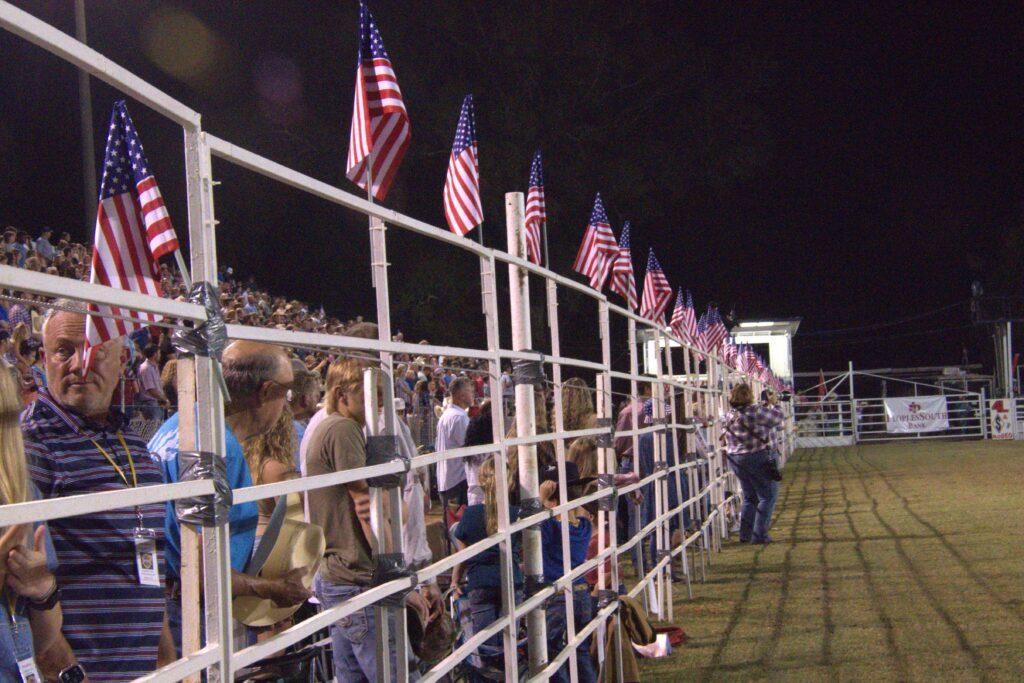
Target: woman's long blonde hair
(583, 452)
(278, 444)
(13, 469)
(577, 405)
(489, 483)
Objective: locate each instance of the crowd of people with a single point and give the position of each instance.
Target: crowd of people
(99, 594)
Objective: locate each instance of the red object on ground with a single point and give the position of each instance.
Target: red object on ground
(676, 635)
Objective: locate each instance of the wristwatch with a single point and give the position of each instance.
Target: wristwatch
(73, 674)
(48, 602)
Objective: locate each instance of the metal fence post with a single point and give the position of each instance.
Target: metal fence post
(388, 531)
(563, 496)
(526, 422)
(489, 293)
(608, 464)
(210, 421)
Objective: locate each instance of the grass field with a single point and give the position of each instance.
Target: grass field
(891, 562)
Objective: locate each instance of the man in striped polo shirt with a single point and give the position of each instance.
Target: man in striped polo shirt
(113, 605)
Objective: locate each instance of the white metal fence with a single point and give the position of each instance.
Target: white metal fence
(678, 397)
(838, 416)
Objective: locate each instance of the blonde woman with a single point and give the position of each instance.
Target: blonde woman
(30, 613)
(577, 405)
(483, 571)
(271, 458)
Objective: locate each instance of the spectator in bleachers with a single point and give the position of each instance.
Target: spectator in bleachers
(343, 512)
(114, 614)
(306, 392)
(43, 246)
(580, 530)
(258, 377)
(483, 571)
(271, 458)
(30, 612)
(577, 406)
(151, 393)
(452, 483)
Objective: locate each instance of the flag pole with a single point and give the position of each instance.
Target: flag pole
(183, 269)
(547, 263)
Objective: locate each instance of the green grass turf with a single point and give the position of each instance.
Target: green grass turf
(891, 562)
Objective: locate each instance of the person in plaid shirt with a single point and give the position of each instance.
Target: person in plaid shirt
(747, 430)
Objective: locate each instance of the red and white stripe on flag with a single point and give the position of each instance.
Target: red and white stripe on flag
(462, 207)
(133, 230)
(598, 250)
(657, 292)
(536, 211)
(159, 231)
(120, 259)
(380, 124)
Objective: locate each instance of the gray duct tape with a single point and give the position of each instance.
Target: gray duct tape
(204, 510)
(528, 371)
(607, 503)
(606, 440)
(533, 584)
(389, 567)
(210, 337)
(381, 449)
(530, 506)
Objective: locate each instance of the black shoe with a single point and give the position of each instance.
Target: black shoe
(765, 541)
(744, 540)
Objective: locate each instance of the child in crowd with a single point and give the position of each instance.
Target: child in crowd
(483, 571)
(580, 531)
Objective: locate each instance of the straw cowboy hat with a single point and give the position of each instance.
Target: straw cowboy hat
(297, 544)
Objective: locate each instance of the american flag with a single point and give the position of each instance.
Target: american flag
(702, 332)
(380, 124)
(657, 291)
(597, 252)
(133, 230)
(750, 360)
(716, 330)
(677, 320)
(729, 353)
(462, 185)
(688, 328)
(623, 282)
(536, 211)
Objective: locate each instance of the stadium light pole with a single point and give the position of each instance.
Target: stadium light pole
(85, 115)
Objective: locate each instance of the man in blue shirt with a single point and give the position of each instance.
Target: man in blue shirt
(259, 378)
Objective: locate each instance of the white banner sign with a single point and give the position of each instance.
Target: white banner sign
(916, 414)
(1001, 417)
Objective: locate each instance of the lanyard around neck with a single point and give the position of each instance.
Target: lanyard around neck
(113, 463)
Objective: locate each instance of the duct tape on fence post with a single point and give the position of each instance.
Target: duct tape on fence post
(208, 338)
(391, 567)
(380, 450)
(606, 440)
(610, 502)
(207, 511)
(529, 371)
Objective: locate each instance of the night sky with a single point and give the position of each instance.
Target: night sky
(850, 164)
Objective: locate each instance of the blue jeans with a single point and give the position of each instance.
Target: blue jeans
(484, 609)
(759, 494)
(353, 637)
(583, 612)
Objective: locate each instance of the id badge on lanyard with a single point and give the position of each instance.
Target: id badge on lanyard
(26, 663)
(146, 558)
(29, 672)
